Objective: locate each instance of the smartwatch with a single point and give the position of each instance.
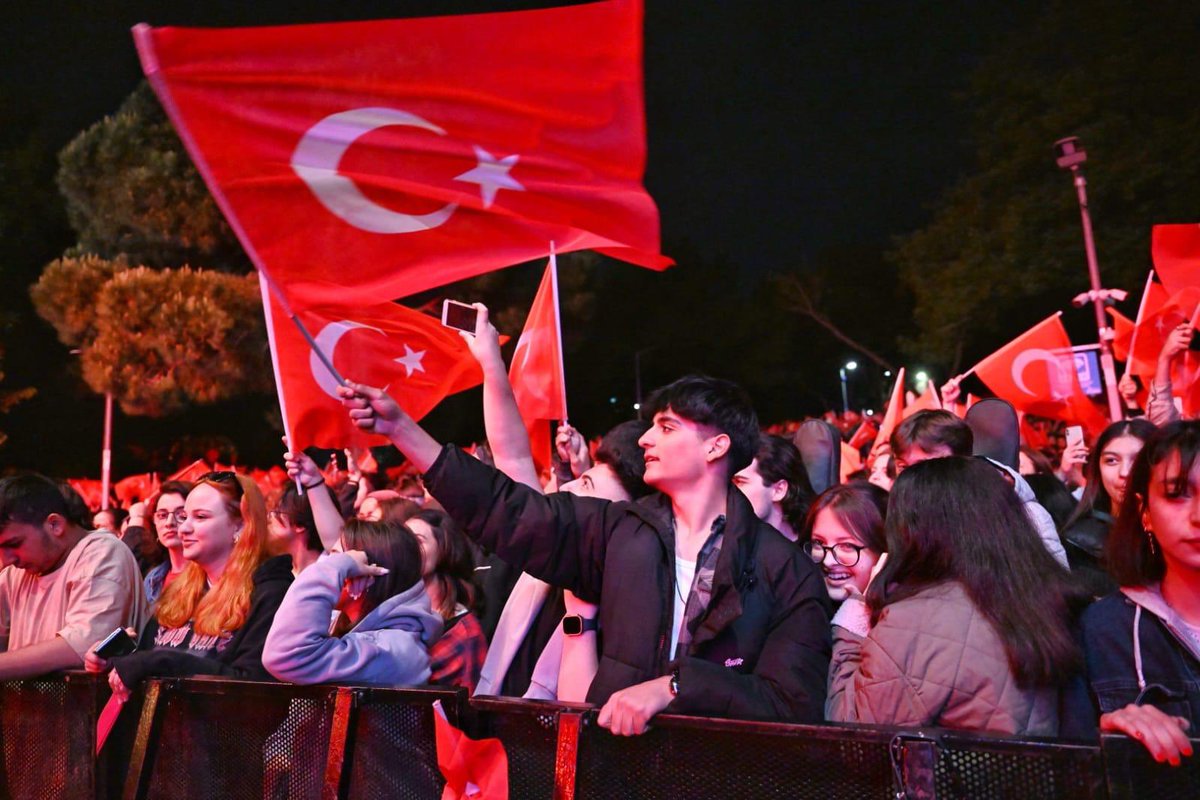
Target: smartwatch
(575, 625)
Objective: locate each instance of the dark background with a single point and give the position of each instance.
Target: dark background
(778, 132)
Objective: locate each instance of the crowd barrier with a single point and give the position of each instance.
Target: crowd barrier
(209, 738)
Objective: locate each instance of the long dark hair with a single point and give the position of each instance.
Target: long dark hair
(388, 544)
(956, 519)
(454, 572)
(1094, 497)
(1131, 559)
(861, 507)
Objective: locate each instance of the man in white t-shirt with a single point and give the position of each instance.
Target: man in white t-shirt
(62, 587)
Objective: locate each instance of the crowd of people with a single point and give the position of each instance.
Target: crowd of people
(687, 564)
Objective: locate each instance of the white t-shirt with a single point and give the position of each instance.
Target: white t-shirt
(96, 590)
(684, 572)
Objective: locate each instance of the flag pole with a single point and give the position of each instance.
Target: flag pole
(1141, 313)
(562, 373)
(312, 343)
(267, 288)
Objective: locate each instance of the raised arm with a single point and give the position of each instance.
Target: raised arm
(326, 514)
(501, 418)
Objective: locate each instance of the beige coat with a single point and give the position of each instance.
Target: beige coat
(933, 659)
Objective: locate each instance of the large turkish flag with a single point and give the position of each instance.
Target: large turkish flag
(536, 372)
(365, 161)
(410, 353)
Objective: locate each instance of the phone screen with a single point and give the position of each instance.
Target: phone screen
(117, 643)
(459, 316)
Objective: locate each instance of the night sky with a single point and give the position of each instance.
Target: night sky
(776, 129)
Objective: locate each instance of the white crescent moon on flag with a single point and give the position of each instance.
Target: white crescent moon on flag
(1054, 369)
(327, 341)
(320, 151)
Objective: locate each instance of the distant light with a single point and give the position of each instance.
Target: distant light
(887, 373)
(922, 377)
(612, 400)
(870, 412)
(851, 365)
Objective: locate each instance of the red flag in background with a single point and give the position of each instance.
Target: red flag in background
(536, 372)
(1036, 373)
(1151, 332)
(1123, 328)
(891, 417)
(412, 354)
(474, 769)
(928, 401)
(1176, 253)
(365, 161)
(865, 433)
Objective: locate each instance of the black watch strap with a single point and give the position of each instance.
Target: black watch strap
(575, 625)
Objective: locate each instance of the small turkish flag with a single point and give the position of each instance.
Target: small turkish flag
(928, 401)
(365, 161)
(412, 354)
(536, 372)
(1036, 373)
(1175, 250)
(474, 769)
(892, 416)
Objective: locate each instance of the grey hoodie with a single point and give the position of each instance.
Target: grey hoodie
(389, 646)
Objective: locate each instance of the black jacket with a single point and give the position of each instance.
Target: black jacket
(240, 658)
(761, 650)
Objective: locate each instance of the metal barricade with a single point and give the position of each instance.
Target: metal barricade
(48, 734)
(204, 737)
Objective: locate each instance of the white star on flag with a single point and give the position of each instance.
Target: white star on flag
(411, 361)
(492, 175)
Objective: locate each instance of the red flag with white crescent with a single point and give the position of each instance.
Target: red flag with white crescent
(365, 161)
(1036, 373)
(412, 354)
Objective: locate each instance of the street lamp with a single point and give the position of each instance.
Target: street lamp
(850, 366)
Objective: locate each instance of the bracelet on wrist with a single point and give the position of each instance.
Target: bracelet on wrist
(314, 485)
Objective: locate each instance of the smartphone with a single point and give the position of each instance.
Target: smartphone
(117, 643)
(459, 316)
(1074, 435)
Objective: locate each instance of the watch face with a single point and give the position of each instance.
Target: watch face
(572, 625)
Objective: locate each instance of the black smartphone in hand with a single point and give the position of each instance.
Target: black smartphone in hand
(117, 643)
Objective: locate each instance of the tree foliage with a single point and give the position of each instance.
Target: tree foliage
(1004, 246)
(131, 190)
(158, 339)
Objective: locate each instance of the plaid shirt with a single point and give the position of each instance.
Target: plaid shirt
(456, 659)
(702, 583)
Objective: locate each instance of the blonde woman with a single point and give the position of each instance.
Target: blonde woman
(214, 618)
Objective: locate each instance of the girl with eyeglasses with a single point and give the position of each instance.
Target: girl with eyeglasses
(213, 618)
(968, 623)
(1142, 643)
(843, 534)
(167, 511)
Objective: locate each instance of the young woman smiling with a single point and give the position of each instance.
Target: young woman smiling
(213, 618)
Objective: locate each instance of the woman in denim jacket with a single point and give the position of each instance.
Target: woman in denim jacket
(1142, 643)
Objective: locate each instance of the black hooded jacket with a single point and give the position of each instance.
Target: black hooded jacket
(760, 651)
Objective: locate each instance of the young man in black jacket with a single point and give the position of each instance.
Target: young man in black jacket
(704, 609)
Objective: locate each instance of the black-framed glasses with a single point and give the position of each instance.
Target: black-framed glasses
(162, 515)
(844, 553)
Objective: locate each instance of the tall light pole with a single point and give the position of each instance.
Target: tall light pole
(850, 366)
(1069, 155)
